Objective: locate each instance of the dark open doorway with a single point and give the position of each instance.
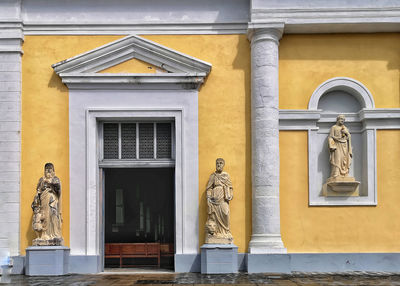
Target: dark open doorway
(139, 217)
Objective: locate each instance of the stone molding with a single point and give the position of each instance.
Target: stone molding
(137, 29)
(328, 17)
(180, 69)
(265, 32)
(347, 84)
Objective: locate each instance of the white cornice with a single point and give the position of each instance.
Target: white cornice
(136, 28)
(304, 119)
(133, 81)
(181, 71)
(331, 20)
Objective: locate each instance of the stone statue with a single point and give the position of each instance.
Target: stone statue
(340, 149)
(219, 192)
(341, 154)
(46, 208)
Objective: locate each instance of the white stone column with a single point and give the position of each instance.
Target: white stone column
(11, 38)
(266, 236)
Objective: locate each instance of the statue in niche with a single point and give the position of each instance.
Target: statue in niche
(46, 208)
(219, 193)
(340, 149)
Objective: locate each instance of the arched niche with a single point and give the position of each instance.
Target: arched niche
(349, 97)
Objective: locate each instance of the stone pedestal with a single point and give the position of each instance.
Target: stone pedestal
(219, 258)
(47, 260)
(341, 187)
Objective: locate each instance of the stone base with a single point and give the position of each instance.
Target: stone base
(341, 187)
(219, 258)
(47, 260)
(218, 240)
(266, 244)
(48, 242)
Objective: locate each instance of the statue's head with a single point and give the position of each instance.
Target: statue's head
(340, 119)
(49, 170)
(219, 165)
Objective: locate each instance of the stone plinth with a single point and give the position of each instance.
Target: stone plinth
(219, 258)
(47, 260)
(341, 187)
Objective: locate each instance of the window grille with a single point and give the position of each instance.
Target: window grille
(163, 140)
(110, 141)
(146, 140)
(128, 141)
(132, 141)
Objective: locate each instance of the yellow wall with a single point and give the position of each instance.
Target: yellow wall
(224, 130)
(305, 62)
(224, 118)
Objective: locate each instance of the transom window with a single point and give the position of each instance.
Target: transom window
(134, 140)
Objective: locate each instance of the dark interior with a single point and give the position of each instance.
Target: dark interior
(139, 208)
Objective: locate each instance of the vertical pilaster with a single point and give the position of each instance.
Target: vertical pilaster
(266, 236)
(11, 38)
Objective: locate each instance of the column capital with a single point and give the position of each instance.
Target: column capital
(265, 32)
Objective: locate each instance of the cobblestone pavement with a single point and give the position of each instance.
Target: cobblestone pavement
(352, 278)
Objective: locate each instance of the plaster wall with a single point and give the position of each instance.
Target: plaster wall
(224, 118)
(305, 62)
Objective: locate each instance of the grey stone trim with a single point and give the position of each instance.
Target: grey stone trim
(266, 236)
(11, 38)
(192, 262)
(128, 48)
(160, 81)
(180, 71)
(188, 262)
(18, 264)
(303, 119)
(84, 264)
(323, 262)
(137, 29)
(326, 16)
(47, 260)
(352, 86)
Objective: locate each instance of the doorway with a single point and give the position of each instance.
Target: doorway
(139, 225)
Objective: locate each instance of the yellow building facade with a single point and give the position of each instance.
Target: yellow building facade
(260, 95)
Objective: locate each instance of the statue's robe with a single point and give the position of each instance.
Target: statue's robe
(220, 192)
(50, 208)
(340, 151)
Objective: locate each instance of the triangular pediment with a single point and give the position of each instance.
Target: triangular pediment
(92, 66)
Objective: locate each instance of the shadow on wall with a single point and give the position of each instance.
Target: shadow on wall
(56, 82)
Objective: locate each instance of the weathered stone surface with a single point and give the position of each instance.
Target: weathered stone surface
(219, 193)
(266, 236)
(46, 208)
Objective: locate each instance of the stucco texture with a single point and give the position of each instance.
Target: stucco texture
(306, 61)
(224, 118)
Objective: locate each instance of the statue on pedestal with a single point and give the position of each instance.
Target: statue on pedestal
(219, 193)
(341, 154)
(46, 208)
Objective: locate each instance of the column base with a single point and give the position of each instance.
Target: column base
(266, 244)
